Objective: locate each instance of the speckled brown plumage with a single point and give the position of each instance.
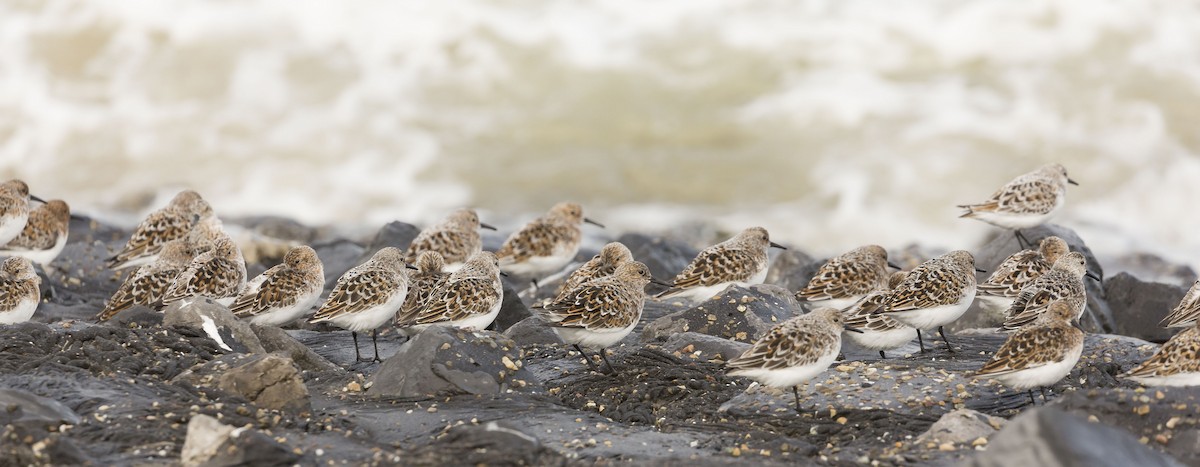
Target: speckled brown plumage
(147, 285)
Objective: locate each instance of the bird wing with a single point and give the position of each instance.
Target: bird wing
(159, 228)
(459, 300)
(1032, 348)
(537, 238)
(357, 291)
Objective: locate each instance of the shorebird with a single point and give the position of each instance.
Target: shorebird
(1040, 354)
(934, 294)
(19, 290)
(1176, 363)
(147, 285)
(546, 244)
(45, 234)
(1187, 312)
(469, 299)
(284, 293)
(367, 296)
(169, 223)
(847, 278)
(14, 209)
(877, 331)
(430, 276)
(1017, 271)
(455, 238)
(1027, 201)
(219, 274)
(1064, 281)
(603, 264)
(741, 260)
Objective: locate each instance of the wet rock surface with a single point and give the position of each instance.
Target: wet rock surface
(1139, 307)
(130, 390)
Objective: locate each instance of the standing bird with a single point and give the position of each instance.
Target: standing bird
(1176, 363)
(1017, 271)
(793, 352)
(367, 296)
(1187, 312)
(45, 234)
(19, 290)
(161, 226)
(1064, 281)
(149, 283)
(934, 294)
(1026, 201)
(878, 331)
(455, 238)
(14, 209)
(1039, 354)
(430, 276)
(600, 312)
(284, 293)
(546, 244)
(469, 299)
(845, 279)
(741, 260)
(603, 264)
(219, 274)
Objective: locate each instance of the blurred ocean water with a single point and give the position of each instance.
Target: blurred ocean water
(831, 123)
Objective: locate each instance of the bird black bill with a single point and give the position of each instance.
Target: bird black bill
(776, 245)
(659, 282)
(38, 199)
(486, 226)
(1094, 276)
(893, 265)
(979, 270)
(597, 224)
(852, 329)
(409, 266)
(1073, 182)
(505, 274)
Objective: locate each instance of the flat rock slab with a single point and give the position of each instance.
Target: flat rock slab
(444, 360)
(1047, 436)
(741, 314)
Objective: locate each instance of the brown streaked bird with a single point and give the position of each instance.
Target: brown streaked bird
(546, 244)
(603, 264)
(367, 296)
(147, 285)
(429, 277)
(1064, 281)
(1176, 363)
(847, 278)
(169, 223)
(877, 331)
(455, 238)
(218, 274)
(1187, 312)
(19, 290)
(1017, 271)
(469, 299)
(934, 294)
(284, 293)
(45, 234)
(1039, 354)
(741, 260)
(14, 209)
(1027, 201)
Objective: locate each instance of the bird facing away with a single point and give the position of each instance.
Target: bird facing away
(793, 352)
(845, 279)
(455, 238)
(546, 244)
(14, 209)
(469, 299)
(430, 276)
(147, 285)
(934, 294)
(19, 290)
(603, 264)
(1187, 312)
(284, 293)
(1064, 281)
(741, 260)
(878, 331)
(1040, 354)
(1176, 363)
(45, 234)
(1027, 201)
(161, 226)
(600, 312)
(219, 274)
(367, 296)
(1017, 271)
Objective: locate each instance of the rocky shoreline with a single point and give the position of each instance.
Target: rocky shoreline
(153, 388)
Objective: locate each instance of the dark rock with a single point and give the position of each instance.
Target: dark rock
(665, 257)
(19, 407)
(736, 313)
(445, 360)
(24, 445)
(493, 443)
(278, 341)
(512, 311)
(269, 381)
(709, 347)
(1153, 268)
(138, 315)
(208, 316)
(792, 269)
(1138, 307)
(1048, 436)
(77, 283)
(397, 234)
(532, 331)
(83, 229)
(962, 426)
(210, 443)
(277, 227)
(1163, 415)
(1097, 318)
(337, 257)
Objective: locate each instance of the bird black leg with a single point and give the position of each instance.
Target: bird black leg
(920, 341)
(586, 358)
(943, 333)
(1022, 242)
(796, 394)
(1031, 399)
(882, 356)
(357, 357)
(375, 342)
(605, 358)
(1043, 390)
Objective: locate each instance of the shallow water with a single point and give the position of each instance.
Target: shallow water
(832, 123)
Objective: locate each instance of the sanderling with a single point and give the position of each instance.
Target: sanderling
(1064, 281)
(934, 294)
(997, 293)
(546, 244)
(455, 238)
(877, 330)
(19, 290)
(600, 312)
(1187, 312)
(219, 274)
(367, 296)
(430, 276)
(469, 299)
(1040, 354)
(285, 292)
(169, 223)
(1026, 201)
(603, 264)
(793, 352)
(845, 279)
(14, 209)
(1176, 363)
(45, 234)
(147, 285)
(741, 260)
